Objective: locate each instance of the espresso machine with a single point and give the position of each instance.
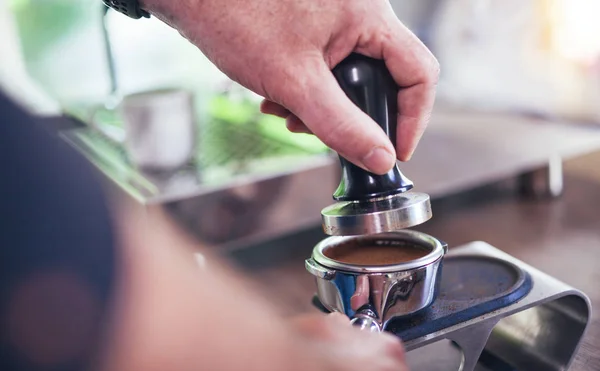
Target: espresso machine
(473, 307)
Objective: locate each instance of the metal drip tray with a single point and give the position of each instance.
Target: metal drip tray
(226, 154)
(292, 184)
(241, 187)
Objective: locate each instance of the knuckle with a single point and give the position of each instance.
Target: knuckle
(347, 141)
(333, 138)
(428, 71)
(430, 68)
(435, 70)
(290, 85)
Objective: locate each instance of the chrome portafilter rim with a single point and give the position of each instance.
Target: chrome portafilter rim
(400, 238)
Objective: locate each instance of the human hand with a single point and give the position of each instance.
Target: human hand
(237, 330)
(348, 348)
(284, 50)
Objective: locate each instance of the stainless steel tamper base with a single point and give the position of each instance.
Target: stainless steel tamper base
(389, 214)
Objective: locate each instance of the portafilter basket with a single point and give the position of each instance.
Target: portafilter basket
(372, 295)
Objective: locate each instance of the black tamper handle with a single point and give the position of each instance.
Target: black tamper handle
(368, 83)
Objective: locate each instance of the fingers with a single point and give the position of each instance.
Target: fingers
(308, 323)
(395, 347)
(293, 123)
(416, 69)
(382, 351)
(391, 346)
(338, 319)
(272, 108)
(318, 319)
(318, 102)
(359, 349)
(314, 103)
(321, 326)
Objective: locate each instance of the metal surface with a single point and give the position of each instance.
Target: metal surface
(365, 320)
(226, 174)
(387, 214)
(160, 129)
(465, 149)
(227, 155)
(241, 187)
(470, 286)
(255, 210)
(378, 293)
(540, 332)
(545, 182)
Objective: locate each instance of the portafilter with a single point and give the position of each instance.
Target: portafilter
(372, 295)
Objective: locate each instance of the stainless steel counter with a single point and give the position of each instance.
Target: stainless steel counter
(250, 197)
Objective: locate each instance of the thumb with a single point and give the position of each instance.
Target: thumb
(320, 103)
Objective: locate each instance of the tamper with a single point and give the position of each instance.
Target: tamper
(368, 203)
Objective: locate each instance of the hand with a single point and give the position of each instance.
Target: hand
(284, 50)
(347, 348)
(170, 314)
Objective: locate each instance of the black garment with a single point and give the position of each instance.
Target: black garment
(56, 250)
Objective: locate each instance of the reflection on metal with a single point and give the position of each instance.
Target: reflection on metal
(443, 355)
(387, 214)
(374, 295)
(545, 182)
(241, 185)
(460, 151)
(543, 337)
(258, 210)
(160, 127)
(542, 331)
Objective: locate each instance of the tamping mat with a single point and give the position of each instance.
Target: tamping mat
(471, 286)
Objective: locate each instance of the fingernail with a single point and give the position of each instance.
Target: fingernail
(379, 160)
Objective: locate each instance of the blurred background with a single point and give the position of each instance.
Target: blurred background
(518, 96)
(510, 156)
(539, 56)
